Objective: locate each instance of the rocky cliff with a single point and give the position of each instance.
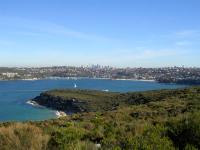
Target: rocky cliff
(77, 100)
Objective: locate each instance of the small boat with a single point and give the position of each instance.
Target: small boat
(75, 86)
(106, 90)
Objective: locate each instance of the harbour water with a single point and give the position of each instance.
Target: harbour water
(15, 94)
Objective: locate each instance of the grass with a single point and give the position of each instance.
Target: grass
(20, 136)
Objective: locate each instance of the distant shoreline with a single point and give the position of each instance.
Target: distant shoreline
(122, 79)
(77, 78)
(137, 80)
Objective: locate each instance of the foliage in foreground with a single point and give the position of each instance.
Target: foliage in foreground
(22, 137)
(161, 123)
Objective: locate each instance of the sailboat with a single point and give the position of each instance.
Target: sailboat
(75, 86)
(106, 90)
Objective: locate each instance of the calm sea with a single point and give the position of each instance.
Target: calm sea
(15, 94)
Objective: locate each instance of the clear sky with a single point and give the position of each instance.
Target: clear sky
(122, 33)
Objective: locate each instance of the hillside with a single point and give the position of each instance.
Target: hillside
(164, 119)
(92, 101)
(78, 100)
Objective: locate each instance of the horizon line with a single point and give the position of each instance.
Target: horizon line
(89, 66)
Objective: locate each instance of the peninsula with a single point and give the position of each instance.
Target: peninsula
(162, 119)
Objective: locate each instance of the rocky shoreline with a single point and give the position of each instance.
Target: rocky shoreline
(76, 101)
(63, 106)
(58, 113)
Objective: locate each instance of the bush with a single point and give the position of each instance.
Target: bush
(186, 132)
(66, 138)
(22, 137)
(153, 138)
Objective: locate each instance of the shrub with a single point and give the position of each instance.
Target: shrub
(66, 138)
(22, 137)
(185, 132)
(153, 138)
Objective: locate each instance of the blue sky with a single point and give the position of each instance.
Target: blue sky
(121, 33)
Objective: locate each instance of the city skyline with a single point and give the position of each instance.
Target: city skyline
(115, 33)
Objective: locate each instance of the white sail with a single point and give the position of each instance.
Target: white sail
(75, 86)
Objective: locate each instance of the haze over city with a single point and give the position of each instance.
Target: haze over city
(130, 34)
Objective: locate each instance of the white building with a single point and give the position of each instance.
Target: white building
(10, 74)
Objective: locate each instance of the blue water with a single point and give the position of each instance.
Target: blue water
(14, 94)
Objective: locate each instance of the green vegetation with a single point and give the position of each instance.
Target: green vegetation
(86, 100)
(98, 101)
(158, 120)
(22, 137)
